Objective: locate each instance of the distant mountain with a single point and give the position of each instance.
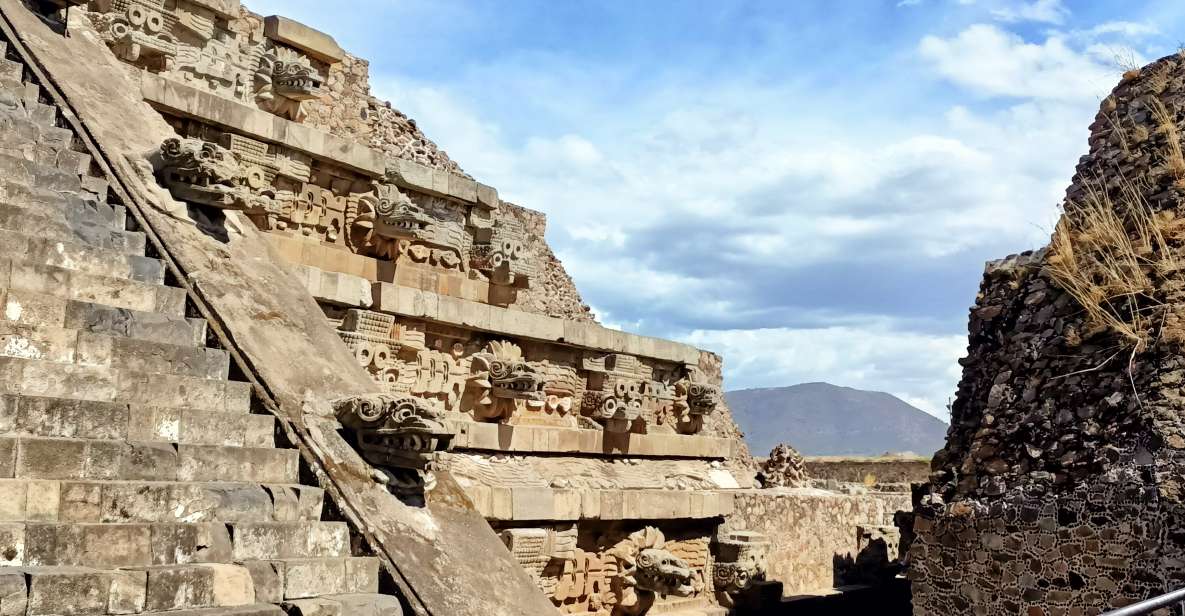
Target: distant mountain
(820, 419)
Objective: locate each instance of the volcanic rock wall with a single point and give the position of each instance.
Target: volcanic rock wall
(1059, 490)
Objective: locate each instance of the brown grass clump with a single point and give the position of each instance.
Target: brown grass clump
(1106, 253)
(1166, 124)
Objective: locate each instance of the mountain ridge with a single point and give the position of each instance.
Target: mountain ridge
(822, 419)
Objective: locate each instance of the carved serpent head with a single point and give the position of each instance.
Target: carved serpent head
(395, 431)
(663, 573)
(201, 172)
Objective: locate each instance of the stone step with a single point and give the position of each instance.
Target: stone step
(27, 457)
(360, 604)
(36, 250)
(48, 202)
(305, 578)
(11, 71)
(258, 609)
(81, 226)
(70, 284)
(32, 135)
(281, 540)
(214, 589)
(112, 546)
(71, 346)
(65, 418)
(24, 150)
(196, 586)
(36, 309)
(126, 502)
(115, 546)
(32, 377)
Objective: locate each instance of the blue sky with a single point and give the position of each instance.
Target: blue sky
(809, 187)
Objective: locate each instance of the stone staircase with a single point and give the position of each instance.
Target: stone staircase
(134, 478)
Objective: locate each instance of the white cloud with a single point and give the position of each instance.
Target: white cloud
(678, 213)
(1045, 11)
(993, 62)
(918, 368)
(1126, 29)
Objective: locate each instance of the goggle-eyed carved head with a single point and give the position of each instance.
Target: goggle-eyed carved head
(663, 573)
(392, 214)
(702, 399)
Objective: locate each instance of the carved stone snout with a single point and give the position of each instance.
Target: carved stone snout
(395, 431)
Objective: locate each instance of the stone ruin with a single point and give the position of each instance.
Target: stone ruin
(266, 349)
(1060, 489)
(784, 468)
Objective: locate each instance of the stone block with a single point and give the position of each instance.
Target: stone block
(487, 196)
(43, 500)
(178, 544)
(313, 42)
(311, 502)
(267, 577)
(147, 461)
(533, 503)
(307, 578)
(280, 540)
(285, 503)
(567, 504)
(462, 188)
(81, 502)
(612, 505)
(366, 604)
(256, 465)
(362, 575)
(150, 423)
(14, 594)
(501, 503)
(53, 459)
(65, 418)
(590, 505)
(128, 592)
(12, 500)
(12, 544)
(317, 606)
(67, 591)
(172, 587)
(232, 585)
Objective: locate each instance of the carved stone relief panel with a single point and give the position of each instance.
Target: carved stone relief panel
(493, 379)
(191, 42)
(607, 572)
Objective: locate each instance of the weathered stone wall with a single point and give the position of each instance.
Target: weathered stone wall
(1059, 487)
(210, 66)
(871, 472)
(813, 533)
(556, 295)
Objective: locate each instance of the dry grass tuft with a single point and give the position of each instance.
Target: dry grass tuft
(1166, 124)
(1107, 254)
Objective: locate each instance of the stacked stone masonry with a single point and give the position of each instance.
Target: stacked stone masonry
(1059, 491)
(134, 477)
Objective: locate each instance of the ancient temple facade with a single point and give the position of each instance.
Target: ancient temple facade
(267, 349)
